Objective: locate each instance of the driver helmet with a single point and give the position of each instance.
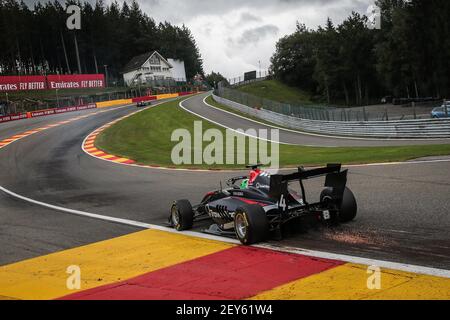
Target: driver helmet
(254, 174)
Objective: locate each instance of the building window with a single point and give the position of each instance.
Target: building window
(155, 60)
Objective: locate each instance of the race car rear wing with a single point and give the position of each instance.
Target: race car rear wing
(336, 179)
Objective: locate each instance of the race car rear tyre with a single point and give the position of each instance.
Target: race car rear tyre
(349, 207)
(182, 215)
(251, 224)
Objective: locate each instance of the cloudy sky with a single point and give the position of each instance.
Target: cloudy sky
(233, 35)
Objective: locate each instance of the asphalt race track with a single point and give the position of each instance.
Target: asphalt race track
(197, 106)
(403, 208)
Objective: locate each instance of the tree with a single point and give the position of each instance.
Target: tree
(293, 61)
(407, 57)
(36, 40)
(327, 72)
(213, 79)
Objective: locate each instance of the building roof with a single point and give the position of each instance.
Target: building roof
(139, 60)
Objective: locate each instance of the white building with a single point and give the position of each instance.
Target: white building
(153, 68)
(178, 71)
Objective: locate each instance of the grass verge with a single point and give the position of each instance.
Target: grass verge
(146, 138)
(276, 91)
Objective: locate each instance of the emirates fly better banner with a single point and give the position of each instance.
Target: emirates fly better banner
(22, 83)
(51, 82)
(81, 81)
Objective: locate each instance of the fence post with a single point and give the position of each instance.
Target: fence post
(414, 109)
(445, 108)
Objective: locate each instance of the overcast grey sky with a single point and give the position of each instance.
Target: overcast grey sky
(233, 35)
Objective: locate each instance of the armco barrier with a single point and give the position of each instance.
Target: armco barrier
(405, 129)
(113, 103)
(161, 96)
(141, 99)
(144, 99)
(182, 94)
(47, 112)
(167, 96)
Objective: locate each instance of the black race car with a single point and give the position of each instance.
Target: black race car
(264, 204)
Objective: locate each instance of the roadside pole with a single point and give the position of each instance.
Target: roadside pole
(7, 103)
(106, 75)
(57, 98)
(259, 62)
(445, 108)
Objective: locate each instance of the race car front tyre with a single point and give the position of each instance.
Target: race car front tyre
(251, 224)
(182, 215)
(349, 207)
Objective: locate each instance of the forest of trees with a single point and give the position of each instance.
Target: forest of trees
(352, 64)
(214, 78)
(37, 41)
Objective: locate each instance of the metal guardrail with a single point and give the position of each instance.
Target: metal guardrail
(400, 129)
(321, 112)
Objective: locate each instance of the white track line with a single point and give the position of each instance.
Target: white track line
(350, 166)
(231, 129)
(225, 171)
(317, 134)
(145, 166)
(364, 261)
(310, 253)
(76, 212)
(305, 252)
(397, 163)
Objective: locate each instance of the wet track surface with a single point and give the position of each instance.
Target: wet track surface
(197, 106)
(403, 209)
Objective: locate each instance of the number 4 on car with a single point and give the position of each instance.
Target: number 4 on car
(263, 205)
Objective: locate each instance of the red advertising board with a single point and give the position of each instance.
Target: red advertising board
(143, 99)
(181, 94)
(47, 112)
(78, 81)
(51, 82)
(87, 106)
(13, 117)
(22, 83)
(41, 113)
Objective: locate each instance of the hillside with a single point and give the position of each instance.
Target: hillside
(277, 91)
